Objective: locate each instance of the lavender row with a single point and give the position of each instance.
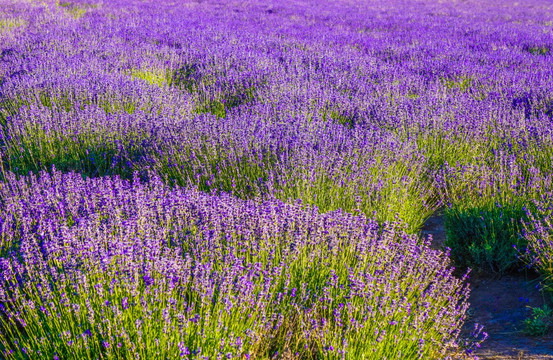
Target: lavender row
(109, 268)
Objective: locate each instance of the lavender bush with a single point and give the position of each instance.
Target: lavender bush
(116, 269)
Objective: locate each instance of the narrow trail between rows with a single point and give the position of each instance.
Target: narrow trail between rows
(501, 305)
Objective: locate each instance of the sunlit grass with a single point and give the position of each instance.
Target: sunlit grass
(386, 192)
(75, 10)
(463, 83)
(7, 25)
(156, 77)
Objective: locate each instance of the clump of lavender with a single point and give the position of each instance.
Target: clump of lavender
(538, 232)
(487, 204)
(123, 269)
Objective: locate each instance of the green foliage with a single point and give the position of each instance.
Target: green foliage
(538, 231)
(440, 148)
(488, 193)
(463, 83)
(214, 107)
(8, 24)
(540, 322)
(212, 170)
(187, 77)
(190, 79)
(8, 107)
(77, 11)
(412, 96)
(538, 50)
(63, 102)
(225, 101)
(159, 78)
(387, 192)
(340, 118)
(484, 236)
(538, 155)
(90, 153)
(67, 102)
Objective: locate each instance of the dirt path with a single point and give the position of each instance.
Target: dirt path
(501, 305)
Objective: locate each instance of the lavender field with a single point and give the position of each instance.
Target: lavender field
(251, 179)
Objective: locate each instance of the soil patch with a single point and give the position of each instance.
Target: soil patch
(435, 227)
(501, 305)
